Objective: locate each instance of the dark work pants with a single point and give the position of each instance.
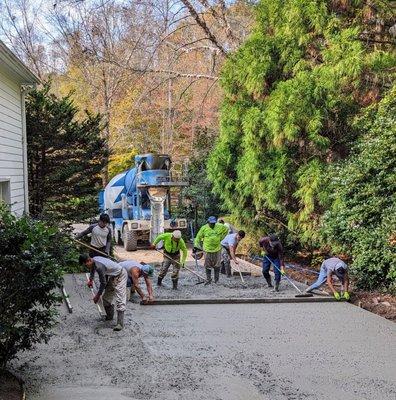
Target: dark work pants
(267, 265)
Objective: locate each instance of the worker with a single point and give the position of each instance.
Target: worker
(229, 245)
(329, 268)
(209, 239)
(173, 244)
(273, 253)
(229, 227)
(115, 286)
(136, 270)
(100, 236)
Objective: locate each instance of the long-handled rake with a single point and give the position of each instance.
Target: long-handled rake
(96, 250)
(203, 280)
(300, 293)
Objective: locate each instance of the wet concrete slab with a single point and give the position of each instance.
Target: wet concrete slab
(214, 351)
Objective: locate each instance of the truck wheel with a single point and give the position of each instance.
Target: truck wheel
(130, 240)
(118, 237)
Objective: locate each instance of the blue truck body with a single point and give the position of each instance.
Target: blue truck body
(126, 199)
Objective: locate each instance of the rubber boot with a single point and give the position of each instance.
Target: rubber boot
(208, 276)
(228, 270)
(276, 286)
(216, 274)
(223, 269)
(174, 282)
(109, 312)
(159, 282)
(120, 321)
(268, 279)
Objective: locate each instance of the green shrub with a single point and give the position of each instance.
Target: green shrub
(362, 218)
(33, 257)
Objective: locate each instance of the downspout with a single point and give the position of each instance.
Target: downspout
(25, 89)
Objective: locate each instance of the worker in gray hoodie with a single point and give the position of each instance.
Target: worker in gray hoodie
(100, 236)
(115, 286)
(333, 267)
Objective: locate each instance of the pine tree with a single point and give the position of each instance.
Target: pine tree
(291, 94)
(65, 157)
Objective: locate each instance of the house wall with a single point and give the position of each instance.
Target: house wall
(12, 146)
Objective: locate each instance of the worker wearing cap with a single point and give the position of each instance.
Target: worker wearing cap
(136, 270)
(173, 244)
(100, 236)
(229, 227)
(273, 254)
(228, 248)
(329, 268)
(209, 239)
(115, 286)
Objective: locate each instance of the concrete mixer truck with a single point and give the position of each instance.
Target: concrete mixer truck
(138, 201)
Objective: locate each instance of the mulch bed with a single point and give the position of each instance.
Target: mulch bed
(10, 387)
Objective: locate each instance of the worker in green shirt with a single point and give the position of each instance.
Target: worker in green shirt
(173, 244)
(209, 239)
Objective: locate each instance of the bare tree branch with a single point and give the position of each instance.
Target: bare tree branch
(201, 22)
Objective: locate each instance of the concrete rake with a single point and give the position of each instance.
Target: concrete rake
(300, 293)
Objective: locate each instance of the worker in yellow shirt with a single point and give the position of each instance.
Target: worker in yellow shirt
(173, 244)
(209, 239)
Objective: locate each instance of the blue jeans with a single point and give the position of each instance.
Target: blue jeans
(322, 278)
(267, 265)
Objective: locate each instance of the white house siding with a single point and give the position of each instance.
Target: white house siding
(11, 141)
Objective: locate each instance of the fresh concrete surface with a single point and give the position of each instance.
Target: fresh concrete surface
(231, 352)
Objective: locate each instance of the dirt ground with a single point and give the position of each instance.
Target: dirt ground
(230, 352)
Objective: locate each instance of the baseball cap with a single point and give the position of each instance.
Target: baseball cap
(176, 234)
(340, 270)
(148, 269)
(212, 220)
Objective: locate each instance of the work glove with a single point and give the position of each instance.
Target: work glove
(195, 250)
(337, 296)
(347, 296)
(96, 298)
(90, 283)
(283, 273)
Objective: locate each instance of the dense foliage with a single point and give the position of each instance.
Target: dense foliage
(198, 196)
(32, 259)
(65, 157)
(362, 219)
(120, 162)
(292, 92)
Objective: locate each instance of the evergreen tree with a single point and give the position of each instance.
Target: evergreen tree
(361, 219)
(65, 157)
(291, 94)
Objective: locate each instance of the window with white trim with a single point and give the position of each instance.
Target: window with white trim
(5, 195)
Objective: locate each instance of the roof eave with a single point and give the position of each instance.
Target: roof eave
(17, 67)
